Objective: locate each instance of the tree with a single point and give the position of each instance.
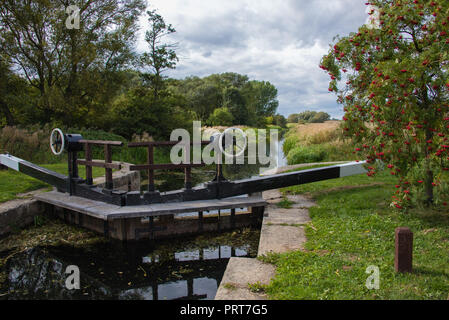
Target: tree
(136, 112)
(262, 97)
(235, 103)
(308, 117)
(250, 102)
(61, 63)
(320, 117)
(392, 79)
(293, 118)
(162, 56)
(221, 117)
(12, 89)
(280, 120)
(204, 99)
(229, 79)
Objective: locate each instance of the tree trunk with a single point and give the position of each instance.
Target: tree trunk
(429, 174)
(429, 187)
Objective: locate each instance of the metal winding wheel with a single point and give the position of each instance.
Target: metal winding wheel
(57, 141)
(237, 146)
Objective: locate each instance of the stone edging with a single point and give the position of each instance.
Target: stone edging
(282, 231)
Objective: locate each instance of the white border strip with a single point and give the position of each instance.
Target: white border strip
(10, 161)
(352, 168)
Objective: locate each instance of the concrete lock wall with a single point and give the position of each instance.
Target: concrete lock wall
(163, 227)
(124, 179)
(20, 213)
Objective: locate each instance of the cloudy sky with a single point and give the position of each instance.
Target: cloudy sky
(280, 41)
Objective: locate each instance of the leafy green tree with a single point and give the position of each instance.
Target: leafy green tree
(280, 120)
(308, 117)
(68, 66)
(13, 95)
(136, 112)
(392, 79)
(234, 101)
(264, 98)
(229, 79)
(162, 56)
(204, 99)
(250, 102)
(221, 117)
(293, 118)
(261, 101)
(320, 117)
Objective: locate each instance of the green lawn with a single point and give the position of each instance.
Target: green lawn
(13, 183)
(352, 228)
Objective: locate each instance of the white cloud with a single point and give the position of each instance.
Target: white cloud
(280, 41)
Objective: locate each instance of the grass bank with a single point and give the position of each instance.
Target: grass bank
(13, 184)
(353, 228)
(316, 142)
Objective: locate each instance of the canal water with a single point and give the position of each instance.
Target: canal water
(187, 268)
(190, 268)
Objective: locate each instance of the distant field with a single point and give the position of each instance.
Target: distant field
(311, 129)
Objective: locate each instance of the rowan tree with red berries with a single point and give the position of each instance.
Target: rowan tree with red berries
(392, 79)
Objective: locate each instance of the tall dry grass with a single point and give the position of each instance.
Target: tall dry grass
(26, 144)
(316, 133)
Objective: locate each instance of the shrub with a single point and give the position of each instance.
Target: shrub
(320, 117)
(221, 117)
(291, 141)
(306, 154)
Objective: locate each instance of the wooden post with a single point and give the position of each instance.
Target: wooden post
(151, 228)
(89, 178)
(106, 228)
(70, 169)
(187, 170)
(232, 218)
(80, 219)
(218, 224)
(190, 288)
(150, 160)
(404, 250)
(188, 178)
(75, 165)
(200, 221)
(108, 159)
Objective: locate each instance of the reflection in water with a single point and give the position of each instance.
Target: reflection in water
(188, 269)
(282, 158)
